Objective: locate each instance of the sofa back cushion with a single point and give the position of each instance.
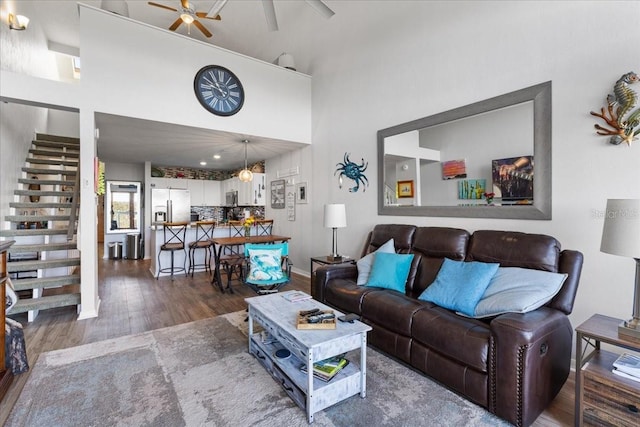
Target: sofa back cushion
(514, 249)
(430, 246)
(401, 234)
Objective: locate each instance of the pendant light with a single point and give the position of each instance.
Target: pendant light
(245, 174)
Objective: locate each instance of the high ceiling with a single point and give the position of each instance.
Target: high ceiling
(243, 29)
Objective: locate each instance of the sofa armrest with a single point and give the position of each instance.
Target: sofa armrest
(323, 274)
(529, 362)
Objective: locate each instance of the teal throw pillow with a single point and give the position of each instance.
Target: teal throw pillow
(460, 285)
(265, 266)
(390, 271)
(366, 262)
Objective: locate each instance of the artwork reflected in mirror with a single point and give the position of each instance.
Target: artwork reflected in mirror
(457, 157)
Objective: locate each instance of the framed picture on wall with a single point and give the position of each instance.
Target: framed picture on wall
(405, 189)
(277, 194)
(302, 194)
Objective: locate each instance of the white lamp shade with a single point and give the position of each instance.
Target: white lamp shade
(621, 232)
(335, 216)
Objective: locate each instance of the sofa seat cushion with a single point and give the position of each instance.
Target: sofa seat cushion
(346, 295)
(392, 310)
(462, 339)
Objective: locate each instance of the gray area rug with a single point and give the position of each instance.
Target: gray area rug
(200, 374)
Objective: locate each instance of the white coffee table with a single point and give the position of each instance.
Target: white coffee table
(277, 316)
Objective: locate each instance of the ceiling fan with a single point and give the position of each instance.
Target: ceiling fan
(188, 15)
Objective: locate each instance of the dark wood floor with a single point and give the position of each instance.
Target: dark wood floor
(132, 301)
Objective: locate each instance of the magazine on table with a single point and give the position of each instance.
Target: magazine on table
(328, 368)
(625, 375)
(629, 364)
(295, 296)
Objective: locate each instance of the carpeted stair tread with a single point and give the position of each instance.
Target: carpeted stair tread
(29, 205)
(57, 138)
(45, 282)
(35, 161)
(36, 218)
(34, 232)
(17, 266)
(54, 153)
(56, 144)
(43, 303)
(48, 171)
(28, 181)
(43, 247)
(42, 193)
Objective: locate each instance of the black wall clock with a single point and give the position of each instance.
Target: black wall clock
(219, 90)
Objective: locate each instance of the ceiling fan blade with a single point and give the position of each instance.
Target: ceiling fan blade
(217, 7)
(270, 15)
(185, 4)
(162, 6)
(202, 28)
(176, 24)
(203, 15)
(321, 8)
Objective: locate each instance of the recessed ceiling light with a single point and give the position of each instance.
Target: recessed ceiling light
(203, 163)
(216, 156)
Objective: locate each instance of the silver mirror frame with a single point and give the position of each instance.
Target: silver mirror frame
(540, 210)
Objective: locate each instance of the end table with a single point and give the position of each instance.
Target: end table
(327, 260)
(603, 398)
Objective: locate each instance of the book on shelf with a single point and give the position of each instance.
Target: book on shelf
(628, 363)
(326, 369)
(295, 296)
(625, 375)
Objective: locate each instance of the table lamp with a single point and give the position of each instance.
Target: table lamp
(621, 236)
(335, 216)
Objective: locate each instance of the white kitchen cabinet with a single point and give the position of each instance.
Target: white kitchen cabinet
(196, 191)
(178, 183)
(211, 193)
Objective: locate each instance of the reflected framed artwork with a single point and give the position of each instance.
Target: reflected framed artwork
(405, 189)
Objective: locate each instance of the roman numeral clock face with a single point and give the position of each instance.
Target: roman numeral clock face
(219, 90)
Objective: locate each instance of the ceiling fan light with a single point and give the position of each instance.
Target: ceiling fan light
(186, 18)
(245, 175)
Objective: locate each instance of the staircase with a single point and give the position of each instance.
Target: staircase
(44, 260)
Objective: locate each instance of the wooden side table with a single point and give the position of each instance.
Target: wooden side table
(603, 398)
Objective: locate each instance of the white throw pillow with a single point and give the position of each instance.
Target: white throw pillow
(518, 290)
(366, 262)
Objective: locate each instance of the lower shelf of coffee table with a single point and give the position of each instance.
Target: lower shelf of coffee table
(287, 372)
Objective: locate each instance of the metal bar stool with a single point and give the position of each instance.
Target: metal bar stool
(231, 261)
(174, 238)
(264, 227)
(204, 234)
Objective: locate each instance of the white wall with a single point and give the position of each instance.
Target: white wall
(430, 57)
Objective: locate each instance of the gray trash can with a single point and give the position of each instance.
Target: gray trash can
(133, 246)
(115, 250)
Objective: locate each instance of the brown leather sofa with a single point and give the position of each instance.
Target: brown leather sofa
(512, 364)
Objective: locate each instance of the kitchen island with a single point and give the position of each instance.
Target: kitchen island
(157, 239)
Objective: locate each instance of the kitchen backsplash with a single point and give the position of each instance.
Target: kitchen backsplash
(216, 213)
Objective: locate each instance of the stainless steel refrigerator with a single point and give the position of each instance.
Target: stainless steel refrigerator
(171, 205)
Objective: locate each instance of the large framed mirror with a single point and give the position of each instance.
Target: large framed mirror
(123, 207)
(444, 165)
